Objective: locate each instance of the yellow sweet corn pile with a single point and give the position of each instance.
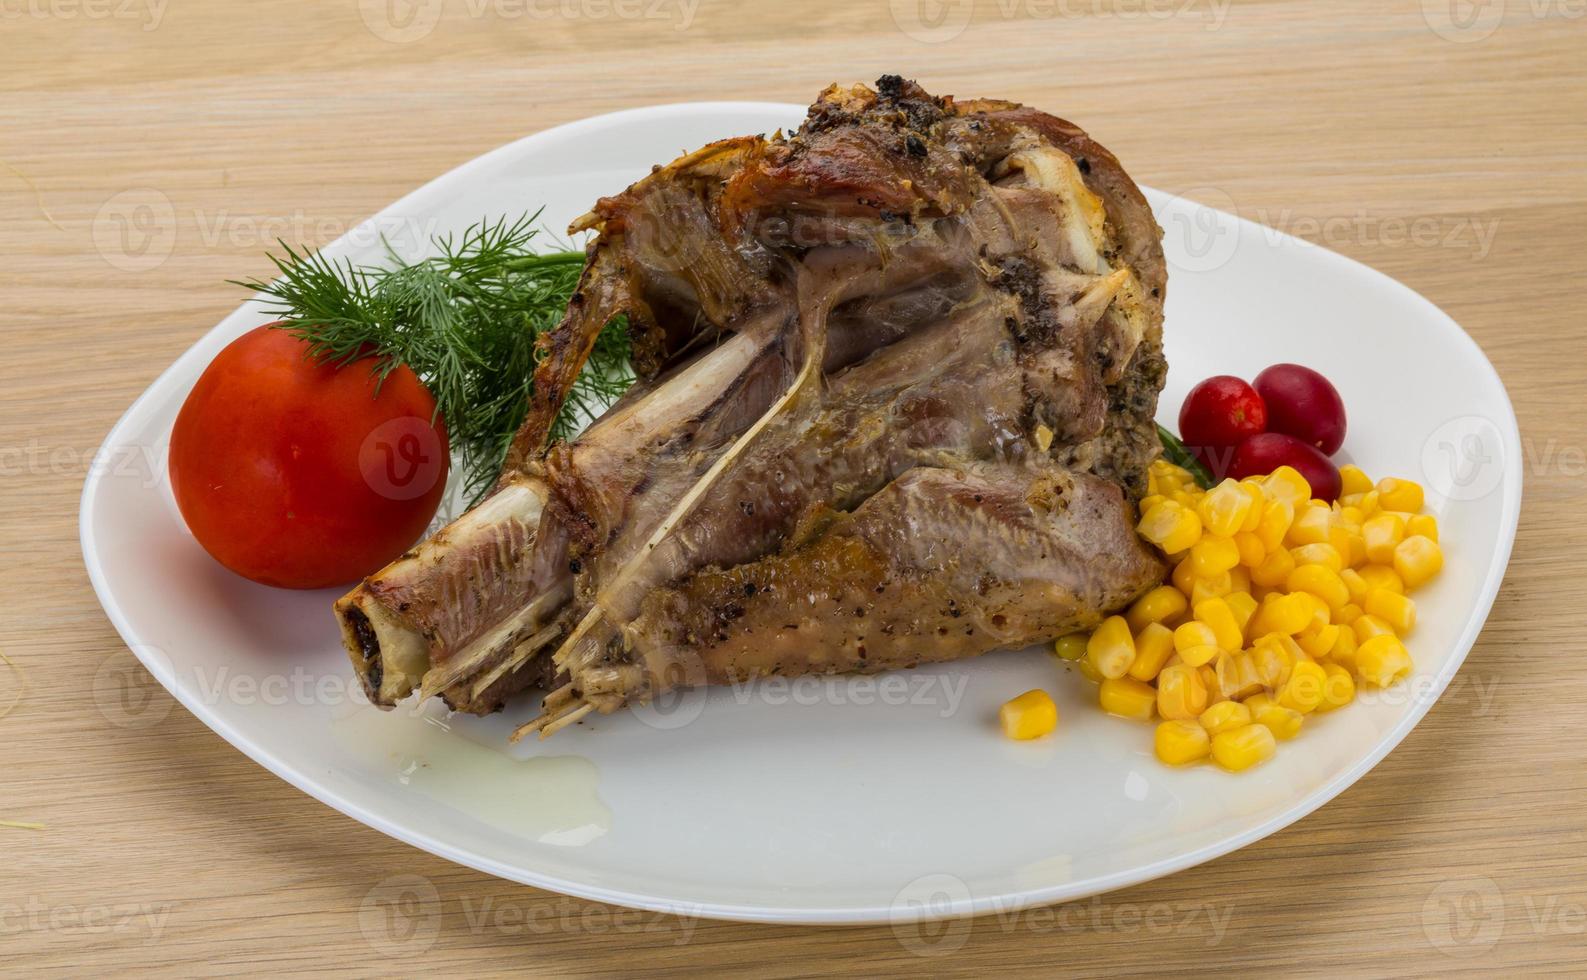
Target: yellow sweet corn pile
(1277, 608)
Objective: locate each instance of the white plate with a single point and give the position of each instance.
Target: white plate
(829, 801)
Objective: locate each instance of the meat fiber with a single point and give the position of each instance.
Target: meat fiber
(898, 373)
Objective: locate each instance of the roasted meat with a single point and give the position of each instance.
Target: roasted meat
(898, 374)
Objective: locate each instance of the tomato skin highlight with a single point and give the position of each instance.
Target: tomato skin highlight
(1219, 414)
(1264, 453)
(1304, 404)
(293, 474)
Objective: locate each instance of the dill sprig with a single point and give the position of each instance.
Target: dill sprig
(465, 320)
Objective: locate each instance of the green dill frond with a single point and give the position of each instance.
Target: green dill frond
(465, 320)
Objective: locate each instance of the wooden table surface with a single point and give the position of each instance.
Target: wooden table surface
(150, 150)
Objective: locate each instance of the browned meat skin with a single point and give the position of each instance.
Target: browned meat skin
(831, 330)
(942, 564)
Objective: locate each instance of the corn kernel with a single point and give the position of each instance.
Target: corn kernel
(1348, 614)
(1352, 480)
(1320, 581)
(1209, 680)
(1111, 648)
(1286, 484)
(1243, 748)
(1310, 526)
(1304, 689)
(1393, 608)
(1321, 615)
(1356, 552)
(1216, 614)
(1325, 555)
(1128, 698)
(1274, 569)
(1339, 689)
(1152, 499)
(1272, 661)
(1162, 470)
(1354, 584)
(1319, 641)
(1239, 579)
(1367, 626)
(1237, 675)
(1253, 517)
(1153, 647)
(1088, 670)
(1225, 716)
(1283, 722)
(1071, 647)
(1284, 614)
(1181, 742)
(1276, 519)
(1160, 605)
(1399, 495)
(1344, 651)
(1031, 715)
(1424, 524)
(1417, 559)
(1181, 694)
(1194, 633)
(1214, 555)
(1338, 538)
(1208, 588)
(1171, 526)
(1381, 577)
(1250, 549)
(1223, 509)
(1382, 660)
(1184, 576)
(1242, 606)
(1381, 534)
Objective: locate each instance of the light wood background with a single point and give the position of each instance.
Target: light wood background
(1466, 849)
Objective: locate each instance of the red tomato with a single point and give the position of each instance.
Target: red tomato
(1304, 404)
(1262, 454)
(1219, 414)
(292, 473)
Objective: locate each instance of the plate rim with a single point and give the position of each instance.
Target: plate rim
(1007, 901)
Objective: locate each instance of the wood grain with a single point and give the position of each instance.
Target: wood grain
(166, 849)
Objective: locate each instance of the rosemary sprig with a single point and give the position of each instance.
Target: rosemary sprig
(465, 320)
(1183, 458)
